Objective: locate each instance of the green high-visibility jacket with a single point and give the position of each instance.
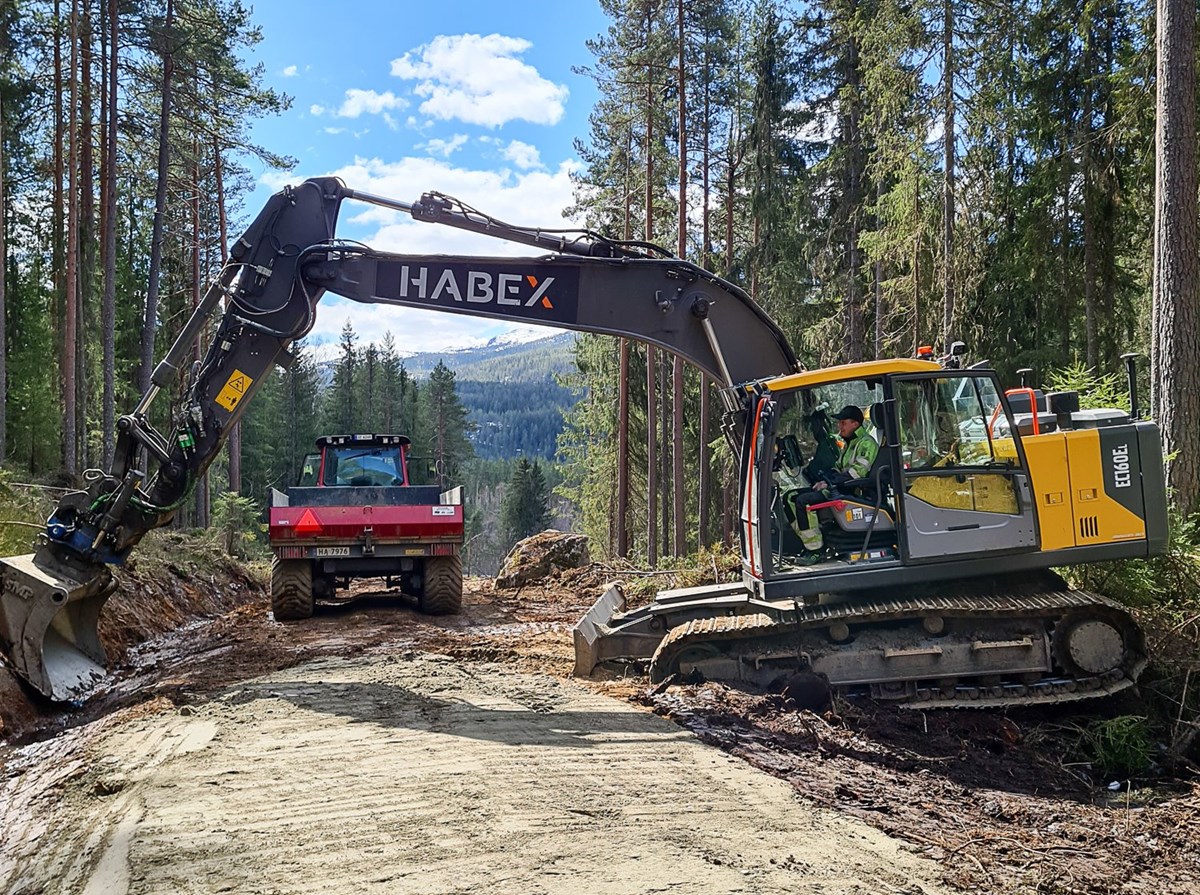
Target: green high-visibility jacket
(858, 454)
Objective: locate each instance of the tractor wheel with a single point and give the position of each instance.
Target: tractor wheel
(291, 589)
(441, 591)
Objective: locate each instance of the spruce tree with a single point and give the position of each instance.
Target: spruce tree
(525, 509)
(445, 427)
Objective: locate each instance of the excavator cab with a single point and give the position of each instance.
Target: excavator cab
(943, 484)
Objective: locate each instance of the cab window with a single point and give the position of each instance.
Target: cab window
(945, 422)
(364, 466)
(807, 429)
(308, 471)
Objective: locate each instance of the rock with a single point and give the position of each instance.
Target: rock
(108, 784)
(541, 556)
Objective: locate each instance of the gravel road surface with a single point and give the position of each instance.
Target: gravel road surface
(415, 773)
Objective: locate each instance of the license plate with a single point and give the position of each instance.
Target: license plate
(333, 551)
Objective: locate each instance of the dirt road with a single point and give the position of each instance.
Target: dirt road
(413, 772)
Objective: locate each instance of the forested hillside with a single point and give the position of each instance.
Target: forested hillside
(512, 393)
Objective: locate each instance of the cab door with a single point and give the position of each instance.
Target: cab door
(962, 491)
(754, 492)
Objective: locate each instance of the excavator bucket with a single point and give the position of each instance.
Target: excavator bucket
(48, 621)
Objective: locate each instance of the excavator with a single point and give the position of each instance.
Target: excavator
(937, 586)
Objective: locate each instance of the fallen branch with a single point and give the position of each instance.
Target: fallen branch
(1063, 849)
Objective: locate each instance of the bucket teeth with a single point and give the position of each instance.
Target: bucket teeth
(49, 612)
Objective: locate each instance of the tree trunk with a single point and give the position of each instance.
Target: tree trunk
(727, 520)
(651, 354)
(108, 309)
(3, 296)
(1087, 134)
(664, 457)
(623, 385)
(877, 281)
(948, 125)
(704, 485)
(916, 271)
(679, 514)
(235, 434)
(1175, 362)
(623, 449)
(71, 300)
(202, 515)
(853, 311)
(58, 211)
(87, 233)
(150, 322)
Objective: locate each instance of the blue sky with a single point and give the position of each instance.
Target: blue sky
(475, 99)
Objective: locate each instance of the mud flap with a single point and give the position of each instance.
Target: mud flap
(48, 621)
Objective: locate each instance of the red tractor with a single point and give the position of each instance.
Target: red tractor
(356, 513)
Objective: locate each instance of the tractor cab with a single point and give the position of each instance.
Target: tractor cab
(949, 480)
(357, 461)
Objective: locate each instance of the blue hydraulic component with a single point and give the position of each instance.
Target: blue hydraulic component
(79, 540)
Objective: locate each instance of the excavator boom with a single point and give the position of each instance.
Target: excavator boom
(265, 298)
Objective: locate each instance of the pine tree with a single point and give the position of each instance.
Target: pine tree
(343, 413)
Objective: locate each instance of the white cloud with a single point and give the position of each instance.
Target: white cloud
(359, 102)
(480, 80)
(444, 148)
(522, 155)
(333, 131)
(291, 71)
(534, 198)
(317, 110)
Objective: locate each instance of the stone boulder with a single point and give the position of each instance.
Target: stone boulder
(543, 556)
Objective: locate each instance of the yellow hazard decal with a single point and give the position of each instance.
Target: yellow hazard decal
(235, 388)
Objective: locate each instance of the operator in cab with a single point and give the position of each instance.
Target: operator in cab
(859, 449)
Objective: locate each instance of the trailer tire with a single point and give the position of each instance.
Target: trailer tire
(441, 590)
(291, 589)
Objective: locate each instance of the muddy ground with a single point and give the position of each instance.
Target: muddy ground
(992, 800)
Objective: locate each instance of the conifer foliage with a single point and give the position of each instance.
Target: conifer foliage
(525, 509)
(880, 175)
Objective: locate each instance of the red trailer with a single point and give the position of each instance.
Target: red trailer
(356, 513)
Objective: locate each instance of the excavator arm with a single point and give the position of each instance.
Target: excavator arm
(264, 298)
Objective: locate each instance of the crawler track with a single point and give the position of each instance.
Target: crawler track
(945, 649)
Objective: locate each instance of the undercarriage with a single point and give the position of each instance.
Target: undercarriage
(984, 642)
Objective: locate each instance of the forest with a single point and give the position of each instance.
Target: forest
(1019, 176)
(879, 175)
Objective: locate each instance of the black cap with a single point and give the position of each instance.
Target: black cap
(850, 412)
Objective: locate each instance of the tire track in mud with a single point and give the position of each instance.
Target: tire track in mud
(418, 774)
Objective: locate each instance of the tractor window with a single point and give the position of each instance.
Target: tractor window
(364, 466)
(309, 470)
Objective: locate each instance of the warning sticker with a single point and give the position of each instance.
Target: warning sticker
(231, 395)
